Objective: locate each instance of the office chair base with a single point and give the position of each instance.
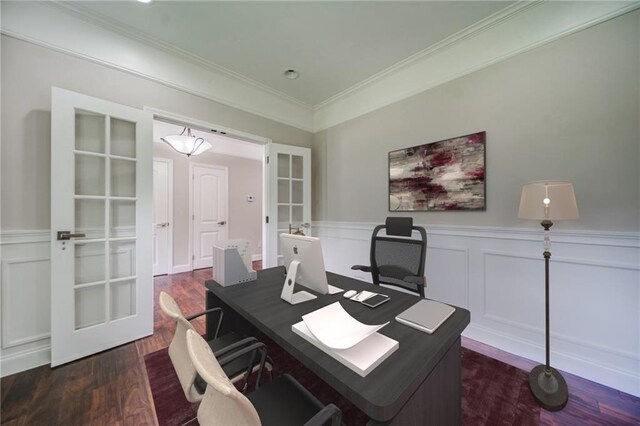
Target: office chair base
(548, 388)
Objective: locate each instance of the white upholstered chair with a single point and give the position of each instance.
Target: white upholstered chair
(281, 402)
(237, 354)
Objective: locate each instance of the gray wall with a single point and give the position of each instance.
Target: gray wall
(567, 110)
(245, 178)
(29, 71)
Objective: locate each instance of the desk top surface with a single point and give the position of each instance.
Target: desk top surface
(383, 391)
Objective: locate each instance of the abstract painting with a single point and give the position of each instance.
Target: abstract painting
(439, 176)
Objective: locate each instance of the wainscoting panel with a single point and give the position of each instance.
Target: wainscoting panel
(26, 309)
(498, 274)
(449, 285)
(25, 294)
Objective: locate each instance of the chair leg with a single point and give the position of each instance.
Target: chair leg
(190, 421)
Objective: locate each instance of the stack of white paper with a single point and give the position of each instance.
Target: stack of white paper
(354, 344)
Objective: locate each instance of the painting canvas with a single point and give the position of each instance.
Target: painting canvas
(439, 176)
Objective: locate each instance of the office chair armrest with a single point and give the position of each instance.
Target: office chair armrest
(329, 412)
(361, 268)
(199, 314)
(415, 280)
(208, 311)
(253, 349)
(232, 347)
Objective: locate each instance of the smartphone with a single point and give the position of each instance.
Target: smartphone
(376, 300)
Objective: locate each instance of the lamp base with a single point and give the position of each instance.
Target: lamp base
(549, 388)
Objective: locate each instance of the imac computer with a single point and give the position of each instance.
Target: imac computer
(305, 266)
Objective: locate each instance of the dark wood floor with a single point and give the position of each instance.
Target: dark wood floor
(112, 387)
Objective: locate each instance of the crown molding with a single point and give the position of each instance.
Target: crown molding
(485, 43)
(57, 26)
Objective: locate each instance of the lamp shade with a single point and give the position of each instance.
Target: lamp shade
(187, 144)
(551, 200)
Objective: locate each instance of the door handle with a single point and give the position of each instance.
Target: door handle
(222, 222)
(163, 225)
(66, 235)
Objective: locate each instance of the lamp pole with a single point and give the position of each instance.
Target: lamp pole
(547, 385)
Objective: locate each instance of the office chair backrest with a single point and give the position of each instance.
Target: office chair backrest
(396, 256)
(178, 352)
(222, 404)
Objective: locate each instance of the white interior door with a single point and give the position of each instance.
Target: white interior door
(102, 286)
(209, 216)
(162, 215)
(289, 191)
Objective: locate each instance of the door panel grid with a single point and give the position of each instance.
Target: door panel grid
(103, 171)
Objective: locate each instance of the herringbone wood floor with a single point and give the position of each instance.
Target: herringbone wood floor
(111, 388)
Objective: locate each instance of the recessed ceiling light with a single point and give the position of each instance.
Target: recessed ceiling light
(291, 74)
(145, 1)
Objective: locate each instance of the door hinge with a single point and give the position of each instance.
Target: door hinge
(267, 219)
(193, 217)
(267, 159)
(193, 257)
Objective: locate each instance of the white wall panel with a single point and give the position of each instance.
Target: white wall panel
(498, 274)
(25, 294)
(26, 302)
(449, 285)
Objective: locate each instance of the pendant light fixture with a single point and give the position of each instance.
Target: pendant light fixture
(186, 143)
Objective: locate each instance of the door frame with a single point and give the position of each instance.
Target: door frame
(169, 162)
(192, 241)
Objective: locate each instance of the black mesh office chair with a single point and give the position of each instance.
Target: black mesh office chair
(396, 259)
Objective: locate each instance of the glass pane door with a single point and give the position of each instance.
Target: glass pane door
(101, 225)
(289, 195)
(105, 200)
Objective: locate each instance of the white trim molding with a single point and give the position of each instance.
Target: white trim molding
(497, 273)
(513, 30)
(69, 30)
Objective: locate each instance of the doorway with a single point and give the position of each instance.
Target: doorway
(217, 195)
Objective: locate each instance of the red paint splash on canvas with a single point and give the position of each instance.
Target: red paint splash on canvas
(440, 176)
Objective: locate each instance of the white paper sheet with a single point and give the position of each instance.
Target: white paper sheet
(361, 358)
(336, 329)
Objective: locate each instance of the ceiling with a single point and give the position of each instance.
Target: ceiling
(220, 144)
(333, 45)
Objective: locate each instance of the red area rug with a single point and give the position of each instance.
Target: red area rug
(493, 393)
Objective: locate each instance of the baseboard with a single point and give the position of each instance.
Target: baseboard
(580, 367)
(26, 360)
(177, 269)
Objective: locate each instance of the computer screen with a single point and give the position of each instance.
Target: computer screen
(308, 251)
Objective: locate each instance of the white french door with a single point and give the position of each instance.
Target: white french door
(209, 195)
(101, 199)
(162, 215)
(289, 190)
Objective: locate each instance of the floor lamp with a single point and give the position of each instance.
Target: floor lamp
(547, 201)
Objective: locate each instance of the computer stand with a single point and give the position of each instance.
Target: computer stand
(287, 290)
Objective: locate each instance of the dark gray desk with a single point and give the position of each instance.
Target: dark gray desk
(418, 384)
